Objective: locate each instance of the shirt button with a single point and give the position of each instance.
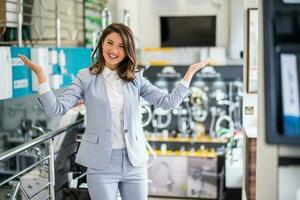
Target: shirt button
(126, 131)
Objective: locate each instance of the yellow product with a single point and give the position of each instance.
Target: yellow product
(158, 49)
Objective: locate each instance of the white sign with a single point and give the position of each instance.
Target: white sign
(289, 80)
(291, 1)
(22, 83)
(17, 62)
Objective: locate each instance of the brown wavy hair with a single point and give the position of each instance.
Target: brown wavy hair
(126, 68)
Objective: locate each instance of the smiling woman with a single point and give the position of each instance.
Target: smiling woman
(113, 147)
(116, 50)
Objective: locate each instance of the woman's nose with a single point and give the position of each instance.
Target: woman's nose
(114, 49)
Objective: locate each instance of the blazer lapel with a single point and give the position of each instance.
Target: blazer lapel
(125, 94)
(106, 102)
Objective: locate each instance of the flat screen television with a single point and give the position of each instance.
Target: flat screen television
(188, 31)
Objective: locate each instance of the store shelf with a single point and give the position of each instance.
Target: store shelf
(197, 154)
(190, 140)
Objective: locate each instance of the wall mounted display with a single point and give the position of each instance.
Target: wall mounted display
(17, 77)
(252, 50)
(193, 31)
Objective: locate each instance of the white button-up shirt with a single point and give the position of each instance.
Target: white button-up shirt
(114, 88)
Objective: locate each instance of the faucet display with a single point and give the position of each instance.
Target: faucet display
(106, 18)
(126, 17)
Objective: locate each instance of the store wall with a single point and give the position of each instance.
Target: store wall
(236, 24)
(117, 8)
(249, 99)
(145, 16)
(71, 16)
(267, 161)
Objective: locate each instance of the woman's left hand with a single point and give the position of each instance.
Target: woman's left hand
(200, 65)
(194, 68)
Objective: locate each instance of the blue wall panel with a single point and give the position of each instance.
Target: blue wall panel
(76, 59)
(21, 73)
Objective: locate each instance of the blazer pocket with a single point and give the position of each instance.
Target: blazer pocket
(93, 138)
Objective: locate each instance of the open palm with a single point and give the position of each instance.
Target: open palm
(200, 65)
(34, 67)
(38, 70)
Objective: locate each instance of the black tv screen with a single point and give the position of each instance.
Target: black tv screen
(188, 31)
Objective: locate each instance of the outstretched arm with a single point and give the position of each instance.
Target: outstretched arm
(52, 105)
(168, 101)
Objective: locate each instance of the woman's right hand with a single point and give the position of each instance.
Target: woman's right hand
(34, 67)
(38, 70)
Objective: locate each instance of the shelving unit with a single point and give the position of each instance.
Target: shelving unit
(92, 19)
(204, 139)
(197, 154)
(194, 167)
(200, 144)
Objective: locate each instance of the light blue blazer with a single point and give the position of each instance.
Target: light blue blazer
(96, 146)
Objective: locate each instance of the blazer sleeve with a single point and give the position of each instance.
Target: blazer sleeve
(159, 98)
(59, 106)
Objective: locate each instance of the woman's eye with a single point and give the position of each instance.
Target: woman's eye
(109, 42)
(122, 46)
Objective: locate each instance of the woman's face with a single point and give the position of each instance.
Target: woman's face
(113, 50)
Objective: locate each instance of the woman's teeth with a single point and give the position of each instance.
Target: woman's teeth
(112, 56)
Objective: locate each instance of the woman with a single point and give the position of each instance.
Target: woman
(113, 146)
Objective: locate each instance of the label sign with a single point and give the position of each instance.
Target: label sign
(291, 1)
(23, 83)
(249, 110)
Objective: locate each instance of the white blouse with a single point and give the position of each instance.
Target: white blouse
(114, 88)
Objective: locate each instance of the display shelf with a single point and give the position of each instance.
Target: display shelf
(186, 174)
(187, 139)
(197, 154)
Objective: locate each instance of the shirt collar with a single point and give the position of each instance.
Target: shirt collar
(109, 74)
